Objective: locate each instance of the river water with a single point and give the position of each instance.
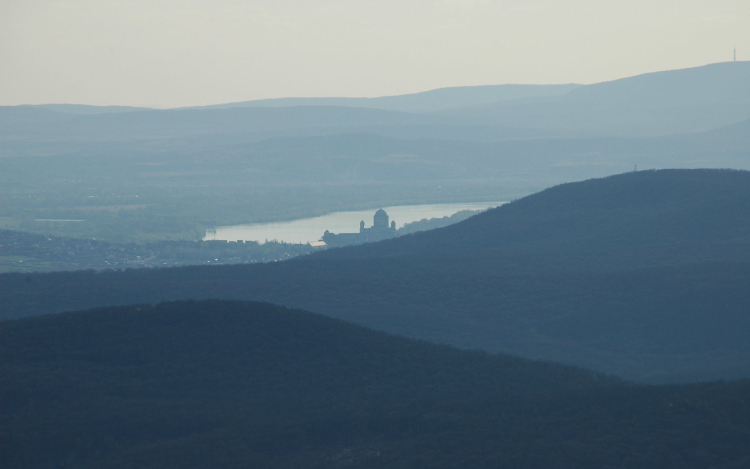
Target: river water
(306, 230)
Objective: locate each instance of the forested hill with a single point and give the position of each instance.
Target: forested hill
(674, 215)
(226, 384)
(642, 275)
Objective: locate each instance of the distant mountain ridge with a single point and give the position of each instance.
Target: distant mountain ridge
(659, 103)
(689, 97)
(718, 82)
(81, 109)
(422, 102)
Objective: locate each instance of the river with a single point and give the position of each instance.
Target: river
(306, 230)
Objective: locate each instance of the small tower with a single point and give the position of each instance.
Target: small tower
(362, 226)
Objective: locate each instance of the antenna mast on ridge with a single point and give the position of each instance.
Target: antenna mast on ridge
(735, 53)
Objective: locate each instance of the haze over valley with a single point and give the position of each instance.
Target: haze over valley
(147, 175)
(433, 234)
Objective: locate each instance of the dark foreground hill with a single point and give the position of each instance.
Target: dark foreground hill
(648, 211)
(224, 384)
(642, 275)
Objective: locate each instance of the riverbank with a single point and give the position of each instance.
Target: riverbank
(182, 214)
(311, 229)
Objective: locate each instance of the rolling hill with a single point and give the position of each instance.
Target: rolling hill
(172, 123)
(642, 275)
(226, 384)
(634, 211)
(670, 102)
(427, 101)
(660, 103)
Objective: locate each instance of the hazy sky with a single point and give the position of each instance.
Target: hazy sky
(168, 53)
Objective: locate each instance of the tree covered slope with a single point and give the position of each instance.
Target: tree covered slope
(642, 275)
(634, 211)
(227, 384)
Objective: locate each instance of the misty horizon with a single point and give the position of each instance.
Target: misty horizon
(375, 234)
(372, 97)
(175, 53)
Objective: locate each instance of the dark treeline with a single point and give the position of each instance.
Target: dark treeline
(226, 384)
(679, 323)
(433, 223)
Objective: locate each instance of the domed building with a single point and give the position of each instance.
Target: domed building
(379, 222)
(379, 231)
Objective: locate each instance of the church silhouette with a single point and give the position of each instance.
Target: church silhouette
(379, 231)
